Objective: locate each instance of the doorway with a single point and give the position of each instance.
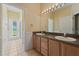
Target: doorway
(12, 30)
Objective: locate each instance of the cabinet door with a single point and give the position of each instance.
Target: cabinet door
(69, 50)
(53, 48)
(38, 43)
(34, 41)
(44, 43)
(44, 46)
(44, 51)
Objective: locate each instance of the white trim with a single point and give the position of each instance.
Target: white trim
(24, 30)
(12, 8)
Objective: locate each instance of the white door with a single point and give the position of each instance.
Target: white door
(12, 25)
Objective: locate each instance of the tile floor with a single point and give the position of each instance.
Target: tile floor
(31, 52)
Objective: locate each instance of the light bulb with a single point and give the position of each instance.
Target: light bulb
(49, 8)
(52, 6)
(42, 12)
(52, 9)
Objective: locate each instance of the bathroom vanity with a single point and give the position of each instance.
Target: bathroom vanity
(64, 20)
(49, 45)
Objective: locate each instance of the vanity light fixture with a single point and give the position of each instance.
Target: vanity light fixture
(50, 9)
(44, 11)
(47, 10)
(53, 8)
(41, 12)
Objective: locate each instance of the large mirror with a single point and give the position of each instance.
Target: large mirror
(64, 20)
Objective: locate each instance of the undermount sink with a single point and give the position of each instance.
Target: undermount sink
(40, 34)
(65, 38)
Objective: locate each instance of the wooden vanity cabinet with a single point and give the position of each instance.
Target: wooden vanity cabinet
(36, 42)
(69, 50)
(54, 48)
(44, 46)
(51, 47)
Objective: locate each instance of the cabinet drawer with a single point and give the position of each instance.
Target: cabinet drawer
(44, 39)
(44, 43)
(44, 51)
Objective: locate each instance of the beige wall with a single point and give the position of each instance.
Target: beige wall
(32, 16)
(45, 6)
(33, 12)
(44, 21)
(44, 17)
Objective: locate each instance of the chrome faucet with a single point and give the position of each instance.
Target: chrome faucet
(64, 34)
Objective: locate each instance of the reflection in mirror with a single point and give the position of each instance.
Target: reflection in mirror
(64, 20)
(61, 21)
(50, 25)
(76, 23)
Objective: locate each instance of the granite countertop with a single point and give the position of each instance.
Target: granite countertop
(52, 37)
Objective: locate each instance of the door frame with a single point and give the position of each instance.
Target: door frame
(5, 22)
